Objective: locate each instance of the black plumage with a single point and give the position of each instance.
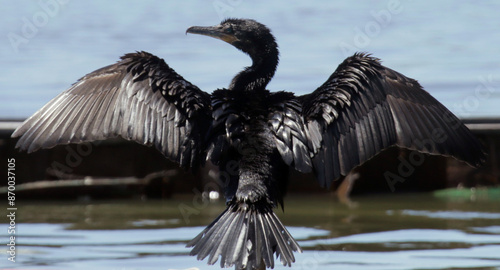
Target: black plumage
(252, 134)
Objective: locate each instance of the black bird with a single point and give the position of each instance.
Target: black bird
(253, 135)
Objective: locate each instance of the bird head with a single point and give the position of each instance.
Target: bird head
(247, 35)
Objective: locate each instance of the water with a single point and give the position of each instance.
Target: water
(451, 47)
(408, 231)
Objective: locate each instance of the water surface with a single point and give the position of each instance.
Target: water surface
(451, 47)
(376, 232)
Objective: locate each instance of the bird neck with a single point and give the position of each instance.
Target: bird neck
(259, 74)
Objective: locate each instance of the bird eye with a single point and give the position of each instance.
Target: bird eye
(229, 29)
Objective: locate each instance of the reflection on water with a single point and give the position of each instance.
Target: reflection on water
(387, 232)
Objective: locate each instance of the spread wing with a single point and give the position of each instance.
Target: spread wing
(364, 108)
(291, 137)
(140, 98)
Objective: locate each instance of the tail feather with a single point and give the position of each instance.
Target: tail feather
(245, 235)
(282, 247)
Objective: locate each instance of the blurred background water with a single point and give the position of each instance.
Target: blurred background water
(451, 47)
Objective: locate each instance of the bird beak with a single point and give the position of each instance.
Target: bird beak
(212, 31)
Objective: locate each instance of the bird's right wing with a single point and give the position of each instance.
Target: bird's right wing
(140, 98)
(365, 107)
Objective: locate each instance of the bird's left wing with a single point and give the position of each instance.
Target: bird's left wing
(140, 98)
(362, 109)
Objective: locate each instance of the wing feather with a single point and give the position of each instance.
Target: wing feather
(290, 135)
(140, 98)
(365, 107)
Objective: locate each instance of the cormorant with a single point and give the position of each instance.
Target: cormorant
(250, 133)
